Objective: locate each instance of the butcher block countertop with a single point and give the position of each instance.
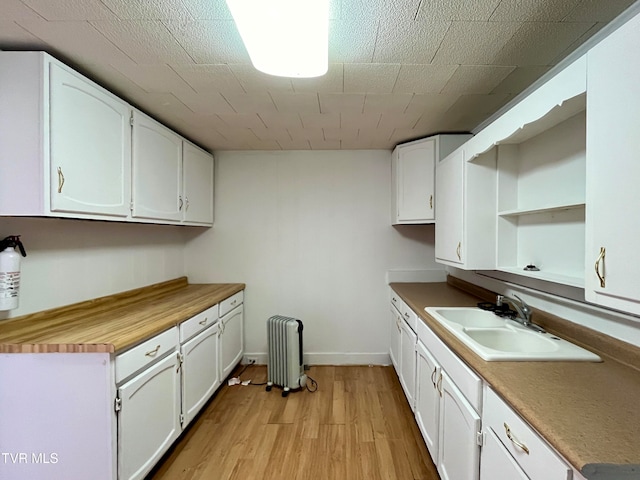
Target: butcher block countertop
(589, 412)
(114, 323)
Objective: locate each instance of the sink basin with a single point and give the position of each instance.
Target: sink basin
(499, 339)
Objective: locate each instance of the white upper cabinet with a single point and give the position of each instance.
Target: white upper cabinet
(69, 148)
(413, 177)
(157, 170)
(90, 139)
(197, 173)
(465, 211)
(612, 262)
(64, 142)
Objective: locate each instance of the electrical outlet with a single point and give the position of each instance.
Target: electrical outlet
(251, 360)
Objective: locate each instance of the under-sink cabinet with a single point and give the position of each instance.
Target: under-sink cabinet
(471, 433)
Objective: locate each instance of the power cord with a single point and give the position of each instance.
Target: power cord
(314, 384)
(313, 388)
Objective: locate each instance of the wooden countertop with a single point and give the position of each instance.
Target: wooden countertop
(113, 323)
(588, 411)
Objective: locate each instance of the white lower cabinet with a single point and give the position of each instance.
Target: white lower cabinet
(460, 429)
(520, 443)
(497, 462)
(471, 434)
(427, 400)
(148, 417)
(231, 340)
(200, 372)
(407, 375)
(396, 337)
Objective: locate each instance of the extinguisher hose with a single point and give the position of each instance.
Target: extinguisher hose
(13, 241)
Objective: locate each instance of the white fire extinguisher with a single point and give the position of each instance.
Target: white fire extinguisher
(10, 271)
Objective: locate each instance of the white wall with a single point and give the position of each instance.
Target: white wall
(74, 260)
(310, 235)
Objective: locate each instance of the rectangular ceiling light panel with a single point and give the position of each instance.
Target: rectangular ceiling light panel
(288, 38)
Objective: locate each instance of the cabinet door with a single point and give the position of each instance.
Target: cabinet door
(90, 150)
(427, 399)
(497, 462)
(449, 213)
(459, 452)
(197, 171)
(408, 362)
(613, 170)
(157, 170)
(200, 373)
(231, 340)
(415, 172)
(148, 421)
(395, 336)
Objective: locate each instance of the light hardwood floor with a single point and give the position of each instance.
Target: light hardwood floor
(357, 426)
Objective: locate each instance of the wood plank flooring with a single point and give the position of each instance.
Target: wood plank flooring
(357, 426)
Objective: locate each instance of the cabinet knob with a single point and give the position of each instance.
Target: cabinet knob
(597, 266)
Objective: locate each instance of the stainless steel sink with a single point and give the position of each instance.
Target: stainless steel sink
(494, 338)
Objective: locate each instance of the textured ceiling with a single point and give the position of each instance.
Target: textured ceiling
(398, 69)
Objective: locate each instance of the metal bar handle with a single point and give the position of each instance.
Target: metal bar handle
(597, 266)
(439, 385)
(433, 375)
(60, 180)
(518, 444)
(152, 353)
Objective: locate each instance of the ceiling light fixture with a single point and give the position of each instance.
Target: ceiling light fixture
(288, 38)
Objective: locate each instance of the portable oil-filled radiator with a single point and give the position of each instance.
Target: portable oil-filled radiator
(285, 366)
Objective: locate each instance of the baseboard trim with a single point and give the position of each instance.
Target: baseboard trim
(328, 358)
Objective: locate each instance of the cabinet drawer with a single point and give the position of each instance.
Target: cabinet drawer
(198, 322)
(230, 303)
(541, 462)
(464, 378)
(131, 361)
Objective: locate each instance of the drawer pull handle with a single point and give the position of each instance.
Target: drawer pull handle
(203, 322)
(152, 353)
(518, 444)
(60, 180)
(597, 266)
(406, 315)
(234, 302)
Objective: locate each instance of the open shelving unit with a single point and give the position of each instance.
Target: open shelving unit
(541, 173)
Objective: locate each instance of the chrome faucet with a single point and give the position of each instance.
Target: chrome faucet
(524, 312)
